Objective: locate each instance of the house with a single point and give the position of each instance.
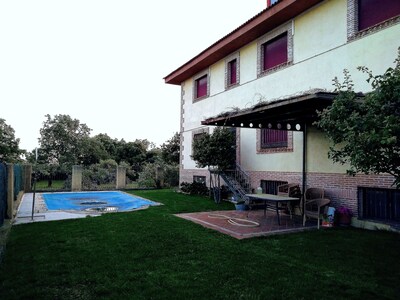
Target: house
(276, 70)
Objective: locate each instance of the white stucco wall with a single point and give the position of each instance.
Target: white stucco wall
(320, 52)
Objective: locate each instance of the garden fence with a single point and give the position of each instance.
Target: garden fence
(18, 180)
(3, 192)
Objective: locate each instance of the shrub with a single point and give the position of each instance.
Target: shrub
(194, 188)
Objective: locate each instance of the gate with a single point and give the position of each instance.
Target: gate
(379, 204)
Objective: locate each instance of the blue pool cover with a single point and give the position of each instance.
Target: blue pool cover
(94, 201)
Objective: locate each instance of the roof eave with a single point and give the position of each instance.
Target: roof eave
(256, 27)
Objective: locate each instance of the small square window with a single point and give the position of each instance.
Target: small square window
(271, 138)
(275, 52)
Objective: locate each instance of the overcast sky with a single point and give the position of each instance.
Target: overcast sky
(103, 61)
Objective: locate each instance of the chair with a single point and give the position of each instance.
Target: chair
(314, 204)
(289, 190)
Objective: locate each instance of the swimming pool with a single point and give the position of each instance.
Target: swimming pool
(95, 201)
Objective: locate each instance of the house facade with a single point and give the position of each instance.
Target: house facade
(280, 65)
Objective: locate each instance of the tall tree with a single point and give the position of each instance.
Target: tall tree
(365, 131)
(217, 149)
(133, 153)
(170, 150)
(110, 145)
(9, 144)
(62, 140)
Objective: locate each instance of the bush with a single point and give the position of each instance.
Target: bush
(195, 188)
(159, 175)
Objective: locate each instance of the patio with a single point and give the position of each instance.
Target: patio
(268, 225)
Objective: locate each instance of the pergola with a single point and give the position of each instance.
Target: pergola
(293, 113)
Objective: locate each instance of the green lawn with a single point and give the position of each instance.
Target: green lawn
(152, 254)
(56, 185)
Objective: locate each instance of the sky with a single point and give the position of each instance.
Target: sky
(103, 61)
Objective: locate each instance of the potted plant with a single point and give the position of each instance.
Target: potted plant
(344, 215)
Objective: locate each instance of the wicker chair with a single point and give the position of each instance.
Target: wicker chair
(314, 204)
(289, 190)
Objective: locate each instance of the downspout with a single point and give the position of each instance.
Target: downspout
(304, 175)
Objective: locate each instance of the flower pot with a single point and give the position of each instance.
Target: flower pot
(240, 206)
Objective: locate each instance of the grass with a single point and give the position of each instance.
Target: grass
(56, 185)
(152, 254)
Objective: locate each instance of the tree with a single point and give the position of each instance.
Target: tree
(92, 151)
(133, 153)
(110, 145)
(62, 142)
(170, 150)
(365, 131)
(217, 149)
(9, 145)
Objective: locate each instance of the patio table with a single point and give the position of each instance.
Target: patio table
(272, 199)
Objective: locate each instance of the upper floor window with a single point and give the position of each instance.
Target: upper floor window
(272, 138)
(275, 49)
(363, 16)
(275, 52)
(372, 12)
(232, 70)
(201, 87)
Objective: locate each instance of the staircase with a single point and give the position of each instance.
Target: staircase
(238, 182)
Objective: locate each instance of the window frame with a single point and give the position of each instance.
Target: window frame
(353, 31)
(228, 70)
(265, 49)
(269, 144)
(200, 179)
(198, 132)
(261, 150)
(285, 28)
(196, 80)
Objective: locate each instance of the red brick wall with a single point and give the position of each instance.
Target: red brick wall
(341, 189)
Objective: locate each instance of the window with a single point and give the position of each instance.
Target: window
(272, 138)
(368, 16)
(372, 12)
(199, 179)
(198, 134)
(232, 77)
(232, 72)
(275, 49)
(201, 87)
(275, 52)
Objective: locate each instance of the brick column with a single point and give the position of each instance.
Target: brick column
(76, 184)
(121, 178)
